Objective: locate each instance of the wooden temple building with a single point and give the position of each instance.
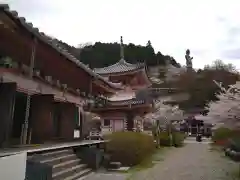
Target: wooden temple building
(43, 88)
(193, 126)
(123, 111)
(44, 91)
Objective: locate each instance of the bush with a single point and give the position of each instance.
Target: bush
(130, 148)
(225, 136)
(178, 139)
(221, 134)
(164, 139)
(234, 143)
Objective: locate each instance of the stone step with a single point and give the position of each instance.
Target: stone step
(80, 175)
(65, 165)
(59, 159)
(68, 172)
(60, 152)
(50, 154)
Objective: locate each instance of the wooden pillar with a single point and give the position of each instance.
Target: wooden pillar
(41, 118)
(7, 101)
(81, 120)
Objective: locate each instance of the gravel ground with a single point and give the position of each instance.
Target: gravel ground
(194, 161)
(107, 176)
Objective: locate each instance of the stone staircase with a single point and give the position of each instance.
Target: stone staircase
(65, 164)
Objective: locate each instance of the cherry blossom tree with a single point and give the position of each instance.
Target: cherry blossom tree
(226, 111)
(162, 117)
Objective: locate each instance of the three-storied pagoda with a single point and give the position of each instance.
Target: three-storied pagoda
(123, 111)
(42, 86)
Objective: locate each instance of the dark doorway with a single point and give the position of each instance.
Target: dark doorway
(130, 122)
(7, 100)
(57, 120)
(19, 116)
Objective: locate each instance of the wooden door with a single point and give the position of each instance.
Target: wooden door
(42, 118)
(7, 101)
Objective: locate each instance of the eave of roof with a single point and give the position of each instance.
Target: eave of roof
(120, 67)
(41, 36)
(133, 101)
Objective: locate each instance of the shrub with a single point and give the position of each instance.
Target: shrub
(221, 135)
(130, 148)
(165, 139)
(178, 139)
(234, 143)
(222, 142)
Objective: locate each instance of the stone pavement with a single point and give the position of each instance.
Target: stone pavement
(193, 140)
(107, 176)
(194, 161)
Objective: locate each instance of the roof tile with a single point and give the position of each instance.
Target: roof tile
(126, 102)
(120, 66)
(46, 39)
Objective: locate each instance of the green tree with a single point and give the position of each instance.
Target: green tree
(104, 54)
(220, 65)
(200, 86)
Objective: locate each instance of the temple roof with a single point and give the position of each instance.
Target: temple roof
(133, 101)
(52, 42)
(120, 66)
(121, 96)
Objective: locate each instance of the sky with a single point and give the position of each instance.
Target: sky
(209, 28)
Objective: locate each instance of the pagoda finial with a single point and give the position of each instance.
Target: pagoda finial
(121, 49)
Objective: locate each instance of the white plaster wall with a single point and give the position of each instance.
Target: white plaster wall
(106, 130)
(13, 167)
(115, 125)
(118, 125)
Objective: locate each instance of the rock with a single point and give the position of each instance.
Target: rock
(114, 165)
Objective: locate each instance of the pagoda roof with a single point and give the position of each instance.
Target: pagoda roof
(121, 96)
(133, 101)
(119, 67)
(123, 104)
(53, 43)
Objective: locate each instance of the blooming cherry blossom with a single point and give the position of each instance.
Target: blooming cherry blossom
(226, 111)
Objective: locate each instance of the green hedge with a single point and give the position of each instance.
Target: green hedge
(164, 139)
(130, 148)
(225, 137)
(222, 134)
(178, 139)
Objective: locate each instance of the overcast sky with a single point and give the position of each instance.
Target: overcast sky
(209, 28)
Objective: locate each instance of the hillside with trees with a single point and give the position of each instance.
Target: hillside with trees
(201, 87)
(198, 84)
(104, 54)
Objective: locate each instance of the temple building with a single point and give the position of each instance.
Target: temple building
(123, 110)
(43, 88)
